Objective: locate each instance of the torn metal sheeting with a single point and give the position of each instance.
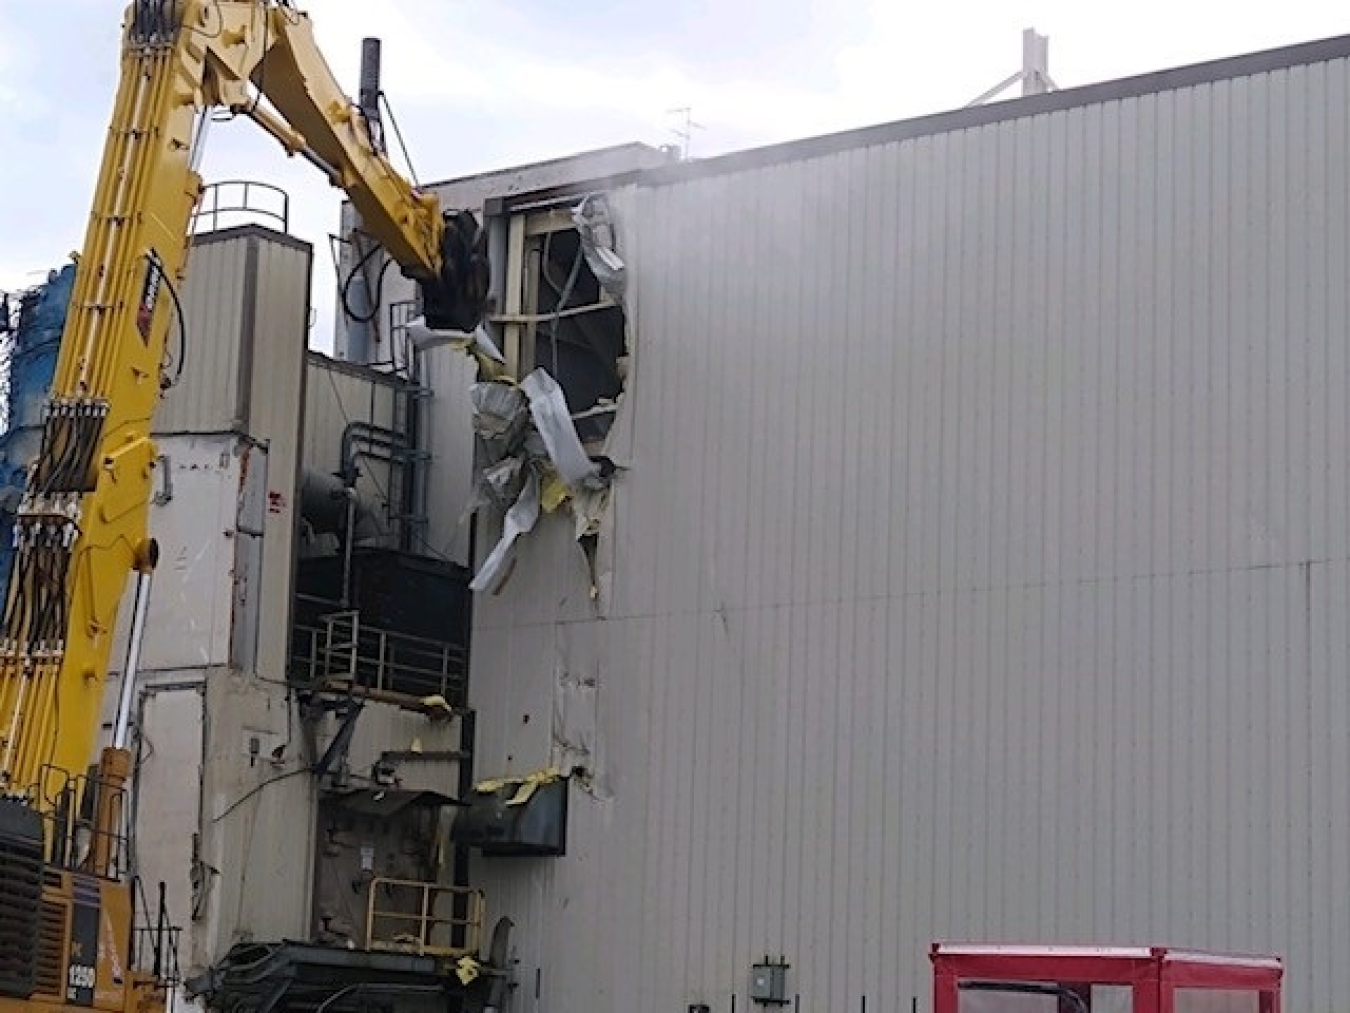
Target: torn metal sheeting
(601, 408)
(520, 519)
(503, 478)
(554, 439)
(424, 338)
(467, 970)
(500, 416)
(553, 420)
(500, 483)
(555, 492)
(596, 229)
(531, 445)
(482, 341)
(588, 507)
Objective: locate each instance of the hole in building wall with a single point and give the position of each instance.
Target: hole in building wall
(580, 333)
(558, 335)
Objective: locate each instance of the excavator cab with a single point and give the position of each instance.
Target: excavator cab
(1067, 979)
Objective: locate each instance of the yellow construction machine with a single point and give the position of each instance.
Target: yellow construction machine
(66, 911)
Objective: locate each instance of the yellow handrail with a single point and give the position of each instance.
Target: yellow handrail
(416, 926)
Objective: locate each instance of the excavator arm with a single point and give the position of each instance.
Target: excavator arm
(81, 529)
(82, 526)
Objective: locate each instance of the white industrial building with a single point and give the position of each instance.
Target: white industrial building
(961, 554)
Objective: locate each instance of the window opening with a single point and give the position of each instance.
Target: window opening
(560, 317)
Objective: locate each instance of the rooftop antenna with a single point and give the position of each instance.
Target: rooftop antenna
(1034, 75)
(685, 131)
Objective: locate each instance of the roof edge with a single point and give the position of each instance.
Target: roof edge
(629, 147)
(247, 230)
(1152, 82)
(322, 360)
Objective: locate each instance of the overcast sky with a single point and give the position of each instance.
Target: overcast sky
(482, 84)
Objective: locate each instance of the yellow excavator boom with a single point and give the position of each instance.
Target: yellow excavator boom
(81, 528)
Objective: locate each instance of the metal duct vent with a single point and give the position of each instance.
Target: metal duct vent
(20, 896)
(515, 818)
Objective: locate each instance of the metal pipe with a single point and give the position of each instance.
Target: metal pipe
(358, 309)
(374, 436)
(324, 504)
(199, 140)
(369, 95)
(12, 738)
(128, 690)
(347, 549)
(418, 443)
(293, 141)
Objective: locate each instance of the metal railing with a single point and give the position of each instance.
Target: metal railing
(343, 649)
(155, 939)
(408, 916)
(74, 840)
(222, 202)
(401, 350)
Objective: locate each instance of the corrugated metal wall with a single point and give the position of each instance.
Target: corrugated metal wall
(208, 396)
(246, 304)
(981, 570)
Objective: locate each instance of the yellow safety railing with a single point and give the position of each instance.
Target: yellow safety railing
(413, 916)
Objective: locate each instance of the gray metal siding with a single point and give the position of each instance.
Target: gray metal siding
(981, 571)
(276, 357)
(207, 395)
(246, 314)
(201, 592)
